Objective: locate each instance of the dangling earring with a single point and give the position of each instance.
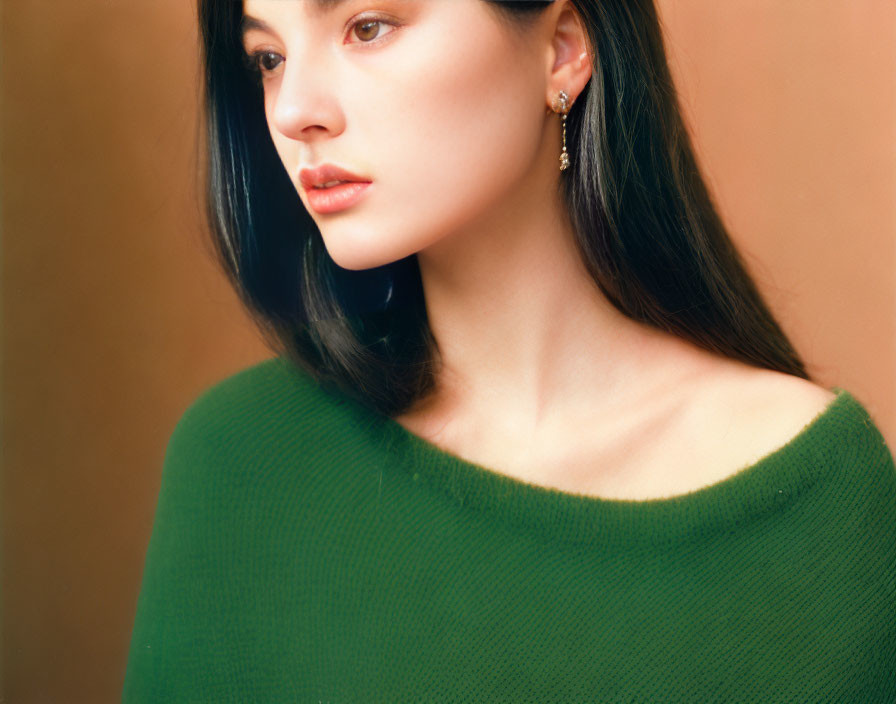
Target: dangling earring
(561, 105)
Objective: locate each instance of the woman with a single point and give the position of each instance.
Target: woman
(532, 434)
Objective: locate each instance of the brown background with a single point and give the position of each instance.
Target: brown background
(114, 317)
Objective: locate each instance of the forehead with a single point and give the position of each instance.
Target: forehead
(250, 21)
(313, 6)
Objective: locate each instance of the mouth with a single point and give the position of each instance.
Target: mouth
(335, 196)
(330, 184)
(328, 176)
(331, 188)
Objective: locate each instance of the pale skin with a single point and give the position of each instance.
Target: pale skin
(448, 113)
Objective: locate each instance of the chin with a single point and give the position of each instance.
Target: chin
(368, 249)
(359, 258)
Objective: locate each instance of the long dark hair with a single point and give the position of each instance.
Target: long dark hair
(646, 226)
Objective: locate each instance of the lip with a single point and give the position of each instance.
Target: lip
(311, 178)
(336, 198)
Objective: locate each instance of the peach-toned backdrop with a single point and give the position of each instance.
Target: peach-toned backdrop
(114, 316)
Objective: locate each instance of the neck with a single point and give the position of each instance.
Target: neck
(523, 331)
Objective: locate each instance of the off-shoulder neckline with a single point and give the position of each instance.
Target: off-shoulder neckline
(774, 479)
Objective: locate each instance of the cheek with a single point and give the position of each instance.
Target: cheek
(460, 125)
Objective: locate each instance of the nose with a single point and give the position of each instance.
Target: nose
(305, 107)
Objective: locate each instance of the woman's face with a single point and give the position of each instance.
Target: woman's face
(438, 104)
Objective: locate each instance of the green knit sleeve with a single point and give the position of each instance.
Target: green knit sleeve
(176, 615)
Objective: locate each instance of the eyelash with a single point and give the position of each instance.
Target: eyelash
(253, 59)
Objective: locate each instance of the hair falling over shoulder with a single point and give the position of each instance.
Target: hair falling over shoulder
(646, 226)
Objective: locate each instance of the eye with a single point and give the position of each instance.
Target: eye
(263, 61)
(367, 29)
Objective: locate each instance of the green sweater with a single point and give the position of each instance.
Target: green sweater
(306, 549)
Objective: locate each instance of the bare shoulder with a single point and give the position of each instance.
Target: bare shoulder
(749, 397)
(765, 393)
(746, 413)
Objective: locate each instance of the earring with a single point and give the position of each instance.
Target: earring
(561, 105)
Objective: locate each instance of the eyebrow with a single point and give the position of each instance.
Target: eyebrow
(248, 22)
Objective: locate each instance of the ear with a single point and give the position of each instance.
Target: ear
(570, 58)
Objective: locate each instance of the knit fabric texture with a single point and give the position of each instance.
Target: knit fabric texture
(307, 549)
